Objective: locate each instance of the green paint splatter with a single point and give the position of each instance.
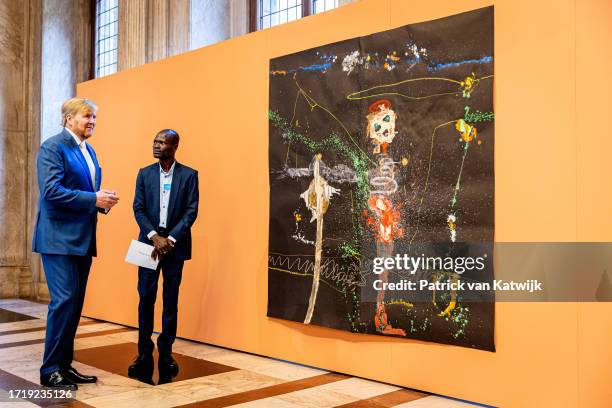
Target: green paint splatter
(460, 318)
(334, 143)
(354, 316)
(349, 251)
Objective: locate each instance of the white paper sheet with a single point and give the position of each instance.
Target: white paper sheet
(139, 254)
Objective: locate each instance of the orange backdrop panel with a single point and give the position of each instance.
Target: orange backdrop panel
(550, 167)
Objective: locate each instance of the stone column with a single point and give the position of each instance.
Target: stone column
(150, 30)
(179, 21)
(17, 93)
(132, 33)
(29, 282)
(239, 12)
(157, 30)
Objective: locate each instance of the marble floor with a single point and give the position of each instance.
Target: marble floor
(209, 376)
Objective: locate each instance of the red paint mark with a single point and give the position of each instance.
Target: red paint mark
(382, 323)
(387, 218)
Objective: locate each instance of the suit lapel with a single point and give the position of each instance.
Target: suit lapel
(154, 180)
(176, 185)
(77, 152)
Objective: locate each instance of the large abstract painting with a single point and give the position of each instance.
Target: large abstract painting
(381, 153)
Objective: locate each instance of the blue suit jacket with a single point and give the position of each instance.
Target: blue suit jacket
(67, 213)
(182, 206)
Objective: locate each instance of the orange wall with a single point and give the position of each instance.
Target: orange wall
(593, 140)
(551, 96)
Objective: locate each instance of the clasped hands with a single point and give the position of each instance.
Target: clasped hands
(162, 246)
(106, 199)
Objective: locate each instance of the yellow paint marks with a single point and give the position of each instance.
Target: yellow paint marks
(468, 132)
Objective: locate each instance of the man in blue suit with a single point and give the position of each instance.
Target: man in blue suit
(65, 234)
(165, 207)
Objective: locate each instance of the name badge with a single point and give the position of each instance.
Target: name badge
(167, 186)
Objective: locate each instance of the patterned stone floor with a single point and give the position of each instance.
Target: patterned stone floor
(209, 376)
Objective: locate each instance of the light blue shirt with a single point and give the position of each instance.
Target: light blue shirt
(165, 186)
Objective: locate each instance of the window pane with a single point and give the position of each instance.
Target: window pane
(274, 12)
(324, 5)
(266, 22)
(107, 12)
(292, 15)
(264, 8)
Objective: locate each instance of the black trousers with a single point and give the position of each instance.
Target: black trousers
(172, 272)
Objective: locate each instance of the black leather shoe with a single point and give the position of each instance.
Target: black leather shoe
(73, 375)
(142, 367)
(167, 365)
(164, 378)
(58, 380)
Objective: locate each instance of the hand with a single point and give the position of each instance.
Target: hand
(106, 199)
(162, 245)
(155, 255)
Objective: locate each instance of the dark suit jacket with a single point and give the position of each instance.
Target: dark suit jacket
(67, 216)
(182, 206)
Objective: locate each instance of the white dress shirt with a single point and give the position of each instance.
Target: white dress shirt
(83, 148)
(165, 186)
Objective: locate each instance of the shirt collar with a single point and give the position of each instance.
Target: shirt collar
(76, 138)
(170, 172)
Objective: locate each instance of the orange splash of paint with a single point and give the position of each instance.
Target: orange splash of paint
(382, 323)
(385, 222)
(468, 132)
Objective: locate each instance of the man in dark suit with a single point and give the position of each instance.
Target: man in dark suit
(165, 207)
(65, 234)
